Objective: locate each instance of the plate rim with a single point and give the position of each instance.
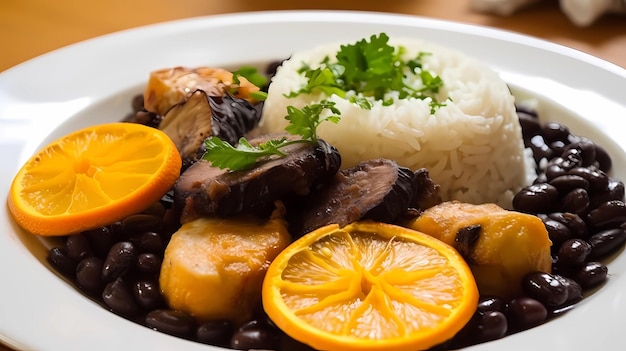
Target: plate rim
(350, 17)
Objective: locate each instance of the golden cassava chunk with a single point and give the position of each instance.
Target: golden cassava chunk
(500, 246)
(214, 268)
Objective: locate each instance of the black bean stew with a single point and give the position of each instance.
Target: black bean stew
(581, 206)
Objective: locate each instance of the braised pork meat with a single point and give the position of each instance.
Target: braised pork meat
(190, 122)
(204, 190)
(376, 189)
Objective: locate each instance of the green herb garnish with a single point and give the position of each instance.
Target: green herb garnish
(251, 74)
(302, 122)
(372, 69)
(254, 77)
(322, 79)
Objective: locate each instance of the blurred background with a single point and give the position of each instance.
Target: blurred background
(29, 28)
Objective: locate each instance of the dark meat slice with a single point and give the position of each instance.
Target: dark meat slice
(204, 190)
(233, 117)
(377, 189)
(189, 123)
(427, 192)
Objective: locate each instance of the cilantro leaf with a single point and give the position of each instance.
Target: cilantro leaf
(251, 74)
(223, 155)
(303, 122)
(362, 102)
(258, 95)
(371, 68)
(322, 79)
(432, 83)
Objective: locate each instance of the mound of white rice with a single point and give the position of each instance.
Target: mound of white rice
(472, 146)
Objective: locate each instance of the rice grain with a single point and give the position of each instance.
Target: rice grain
(472, 146)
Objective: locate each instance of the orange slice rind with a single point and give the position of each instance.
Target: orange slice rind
(369, 286)
(93, 177)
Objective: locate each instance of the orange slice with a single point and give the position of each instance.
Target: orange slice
(369, 286)
(93, 177)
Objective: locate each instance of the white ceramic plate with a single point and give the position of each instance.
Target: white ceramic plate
(93, 82)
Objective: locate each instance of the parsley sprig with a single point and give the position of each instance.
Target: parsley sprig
(302, 122)
(372, 68)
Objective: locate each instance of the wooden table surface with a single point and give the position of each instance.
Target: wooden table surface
(29, 28)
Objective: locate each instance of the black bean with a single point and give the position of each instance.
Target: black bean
(528, 109)
(156, 209)
(117, 231)
(119, 260)
(608, 213)
(536, 198)
(100, 239)
(573, 139)
(147, 294)
(606, 242)
(557, 232)
(557, 147)
(574, 290)
(597, 179)
(576, 201)
(554, 169)
(591, 275)
(147, 118)
(586, 149)
(172, 322)
(491, 326)
(464, 337)
(141, 223)
(256, 335)
(571, 158)
(614, 191)
(147, 242)
(148, 263)
(137, 103)
(567, 182)
(525, 312)
(544, 288)
(541, 178)
(553, 131)
(271, 68)
(530, 125)
(540, 148)
(603, 159)
(573, 252)
(575, 224)
(63, 263)
(466, 238)
(77, 247)
(89, 275)
(215, 333)
(493, 303)
(119, 299)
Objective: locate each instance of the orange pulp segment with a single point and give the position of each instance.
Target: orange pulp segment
(93, 177)
(369, 286)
